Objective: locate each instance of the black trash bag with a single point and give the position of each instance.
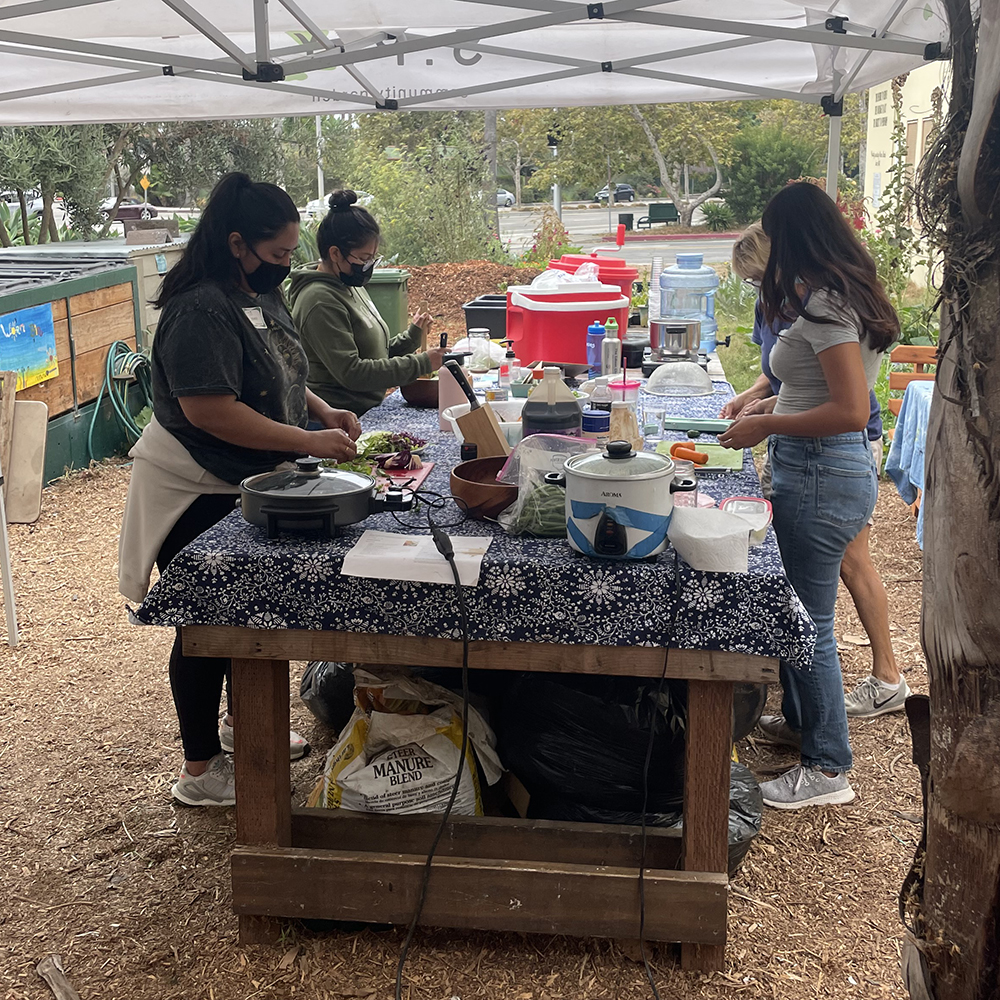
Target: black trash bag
(746, 807)
(327, 688)
(584, 739)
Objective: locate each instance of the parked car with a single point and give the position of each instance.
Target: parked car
(318, 207)
(32, 198)
(504, 199)
(623, 192)
(130, 208)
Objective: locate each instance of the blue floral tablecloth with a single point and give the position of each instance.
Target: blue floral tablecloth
(908, 451)
(530, 590)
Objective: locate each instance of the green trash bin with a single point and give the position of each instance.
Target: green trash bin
(388, 291)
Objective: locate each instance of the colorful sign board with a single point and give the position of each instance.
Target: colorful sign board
(28, 345)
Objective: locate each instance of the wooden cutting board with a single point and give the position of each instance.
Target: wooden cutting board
(23, 477)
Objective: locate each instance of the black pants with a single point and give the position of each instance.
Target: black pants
(196, 681)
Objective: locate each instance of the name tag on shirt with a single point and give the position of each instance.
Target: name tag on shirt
(256, 316)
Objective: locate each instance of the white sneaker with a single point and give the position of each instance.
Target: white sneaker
(806, 786)
(871, 698)
(216, 787)
(298, 746)
(774, 729)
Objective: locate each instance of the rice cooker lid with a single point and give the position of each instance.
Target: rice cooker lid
(308, 481)
(619, 461)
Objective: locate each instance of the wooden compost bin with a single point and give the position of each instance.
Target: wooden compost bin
(90, 313)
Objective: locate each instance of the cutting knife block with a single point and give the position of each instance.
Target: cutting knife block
(481, 428)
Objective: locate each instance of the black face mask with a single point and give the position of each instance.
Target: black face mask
(267, 277)
(359, 274)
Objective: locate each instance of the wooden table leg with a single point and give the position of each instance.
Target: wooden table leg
(706, 798)
(263, 783)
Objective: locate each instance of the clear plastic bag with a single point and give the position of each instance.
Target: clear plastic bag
(540, 507)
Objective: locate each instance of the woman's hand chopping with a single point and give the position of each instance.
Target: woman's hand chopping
(746, 432)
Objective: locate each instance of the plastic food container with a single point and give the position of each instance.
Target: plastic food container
(508, 415)
(754, 510)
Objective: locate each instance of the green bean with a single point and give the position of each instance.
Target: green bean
(543, 512)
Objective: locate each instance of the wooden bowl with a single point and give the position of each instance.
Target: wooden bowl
(422, 393)
(475, 483)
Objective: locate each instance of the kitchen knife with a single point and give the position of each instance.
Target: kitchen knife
(458, 374)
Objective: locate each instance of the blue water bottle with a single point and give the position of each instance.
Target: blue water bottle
(595, 338)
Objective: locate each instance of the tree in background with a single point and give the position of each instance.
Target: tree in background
(678, 136)
(429, 200)
(807, 122)
(298, 150)
(762, 162)
(522, 143)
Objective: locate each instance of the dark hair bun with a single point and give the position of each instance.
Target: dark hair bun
(341, 201)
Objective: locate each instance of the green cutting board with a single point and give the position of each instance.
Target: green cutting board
(719, 459)
(707, 425)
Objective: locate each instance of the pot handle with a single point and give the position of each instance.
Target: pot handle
(684, 485)
(276, 514)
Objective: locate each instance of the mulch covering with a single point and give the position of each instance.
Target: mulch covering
(99, 865)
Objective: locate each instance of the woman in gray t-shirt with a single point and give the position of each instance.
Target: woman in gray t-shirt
(824, 480)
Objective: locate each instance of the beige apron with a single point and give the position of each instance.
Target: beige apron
(165, 481)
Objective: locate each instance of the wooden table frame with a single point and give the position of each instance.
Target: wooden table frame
(489, 874)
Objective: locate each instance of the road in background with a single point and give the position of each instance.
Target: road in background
(587, 226)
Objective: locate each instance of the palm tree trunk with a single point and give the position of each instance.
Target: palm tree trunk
(25, 231)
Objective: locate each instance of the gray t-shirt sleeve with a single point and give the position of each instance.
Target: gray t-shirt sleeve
(819, 336)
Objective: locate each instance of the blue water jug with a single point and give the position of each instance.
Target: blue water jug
(687, 291)
(595, 339)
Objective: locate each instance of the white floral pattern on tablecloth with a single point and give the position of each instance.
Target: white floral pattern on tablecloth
(530, 589)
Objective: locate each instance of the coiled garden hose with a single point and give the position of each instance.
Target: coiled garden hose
(126, 376)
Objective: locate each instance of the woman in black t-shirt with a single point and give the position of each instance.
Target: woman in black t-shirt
(229, 400)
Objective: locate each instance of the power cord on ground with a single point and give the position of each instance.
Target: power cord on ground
(443, 544)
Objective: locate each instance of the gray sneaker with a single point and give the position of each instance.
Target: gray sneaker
(216, 787)
(298, 746)
(774, 729)
(806, 786)
(870, 699)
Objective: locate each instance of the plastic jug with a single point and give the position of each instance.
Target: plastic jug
(687, 291)
(552, 408)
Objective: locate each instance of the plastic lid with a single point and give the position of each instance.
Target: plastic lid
(596, 421)
(679, 378)
(690, 261)
(617, 384)
(754, 509)
(619, 461)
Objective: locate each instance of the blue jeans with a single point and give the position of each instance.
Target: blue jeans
(823, 493)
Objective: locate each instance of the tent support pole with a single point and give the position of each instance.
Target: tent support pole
(833, 157)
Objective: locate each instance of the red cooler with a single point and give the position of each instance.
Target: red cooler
(610, 270)
(551, 325)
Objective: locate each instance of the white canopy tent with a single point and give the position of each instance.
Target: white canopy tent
(64, 61)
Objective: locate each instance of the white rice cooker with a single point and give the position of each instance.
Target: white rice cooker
(619, 502)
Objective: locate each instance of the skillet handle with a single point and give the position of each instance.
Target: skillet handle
(274, 515)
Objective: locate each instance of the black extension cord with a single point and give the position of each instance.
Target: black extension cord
(442, 543)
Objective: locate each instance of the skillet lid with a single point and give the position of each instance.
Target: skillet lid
(308, 480)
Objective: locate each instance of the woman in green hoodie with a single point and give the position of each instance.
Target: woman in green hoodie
(353, 358)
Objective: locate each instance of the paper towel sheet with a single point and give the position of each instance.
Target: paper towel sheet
(710, 540)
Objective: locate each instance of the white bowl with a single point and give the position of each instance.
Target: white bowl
(508, 414)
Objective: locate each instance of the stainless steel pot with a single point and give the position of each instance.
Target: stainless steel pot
(674, 338)
(312, 498)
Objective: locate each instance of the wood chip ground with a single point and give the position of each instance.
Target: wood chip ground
(98, 865)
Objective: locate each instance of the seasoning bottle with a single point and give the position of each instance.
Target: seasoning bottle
(624, 426)
(551, 408)
(595, 335)
(600, 398)
(597, 426)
